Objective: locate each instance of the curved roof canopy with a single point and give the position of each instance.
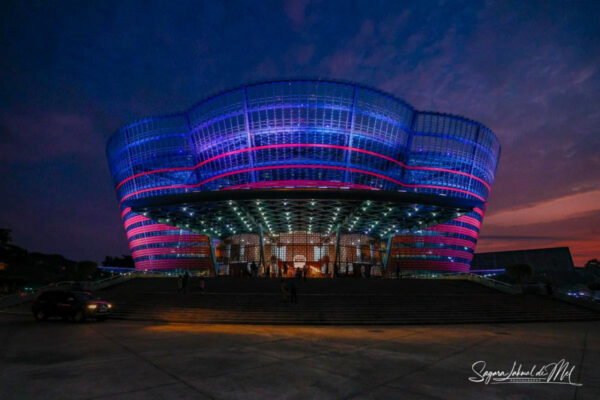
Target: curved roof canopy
(229, 212)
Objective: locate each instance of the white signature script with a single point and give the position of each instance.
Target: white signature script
(556, 372)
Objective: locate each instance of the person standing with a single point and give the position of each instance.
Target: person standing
(284, 291)
(293, 292)
(285, 270)
(186, 279)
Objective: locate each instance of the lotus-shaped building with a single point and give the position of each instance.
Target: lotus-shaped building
(327, 176)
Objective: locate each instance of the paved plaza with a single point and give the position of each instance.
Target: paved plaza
(136, 360)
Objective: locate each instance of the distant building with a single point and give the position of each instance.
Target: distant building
(554, 263)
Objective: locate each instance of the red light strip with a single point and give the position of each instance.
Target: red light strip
(327, 146)
(300, 166)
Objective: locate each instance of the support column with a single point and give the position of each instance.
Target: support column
(388, 251)
(337, 249)
(213, 255)
(262, 261)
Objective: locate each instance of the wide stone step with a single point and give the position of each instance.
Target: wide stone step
(334, 302)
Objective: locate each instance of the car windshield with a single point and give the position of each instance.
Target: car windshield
(83, 296)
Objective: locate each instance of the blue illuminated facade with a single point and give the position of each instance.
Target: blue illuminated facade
(304, 134)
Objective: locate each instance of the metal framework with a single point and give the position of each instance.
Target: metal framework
(344, 144)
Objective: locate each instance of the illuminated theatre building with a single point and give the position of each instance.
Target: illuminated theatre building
(327, 176)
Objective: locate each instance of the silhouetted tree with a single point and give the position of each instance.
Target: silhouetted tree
(5, 236)
(85, 270)
(592, 269)
(125, 261)
(593, 263)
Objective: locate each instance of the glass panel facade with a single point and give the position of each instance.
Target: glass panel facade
(302, 134)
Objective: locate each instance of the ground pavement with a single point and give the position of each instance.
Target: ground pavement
(143, 360)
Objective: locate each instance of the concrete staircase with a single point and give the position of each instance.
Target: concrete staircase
(344, 301)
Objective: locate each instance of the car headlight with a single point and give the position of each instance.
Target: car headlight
(92, 306)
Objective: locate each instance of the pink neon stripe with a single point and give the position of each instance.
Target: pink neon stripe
(125, 211)
(166, 264)
(174, 262)
(299, 183)
(150, 228)
(442, 188)
(299, 166)
(454, 229)
(170, 251)
(478, 211)
(134, 220)
(168, 239)
(468, 220)
(328, 146)
(434, 239)
(451, 172)
(430, 265)
(433, 252)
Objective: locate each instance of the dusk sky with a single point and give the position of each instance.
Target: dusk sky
(75, 72)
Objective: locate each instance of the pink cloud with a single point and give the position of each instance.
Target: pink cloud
(559, 209)
(581, 233)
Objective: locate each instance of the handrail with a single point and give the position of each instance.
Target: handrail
(495, 284)
(467, 275)
(501, 283)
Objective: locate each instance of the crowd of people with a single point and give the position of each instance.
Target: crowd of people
(183, 283)
(284, 271)
(287, 274)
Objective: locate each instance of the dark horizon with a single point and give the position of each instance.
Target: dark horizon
(73, 75)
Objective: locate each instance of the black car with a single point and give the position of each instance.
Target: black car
(72, 305)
